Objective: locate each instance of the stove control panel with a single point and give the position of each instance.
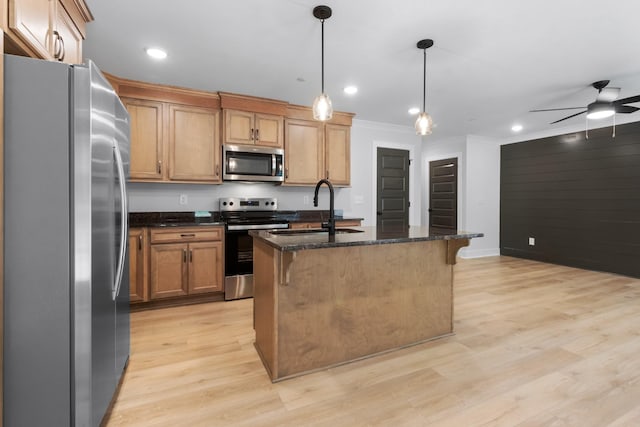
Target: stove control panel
(233, 204)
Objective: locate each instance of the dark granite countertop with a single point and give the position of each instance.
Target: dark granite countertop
(172, 219)
(188, 219)
(366, 236)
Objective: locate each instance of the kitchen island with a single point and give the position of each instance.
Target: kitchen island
(321, 301)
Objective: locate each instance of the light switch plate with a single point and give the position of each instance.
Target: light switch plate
(532, 241)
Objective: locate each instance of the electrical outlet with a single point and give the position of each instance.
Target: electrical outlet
(305, 200)
(532, 241)
(183, 199)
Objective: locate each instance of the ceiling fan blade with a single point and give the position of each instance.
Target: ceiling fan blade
(626, 109)
(608, 94)
(568, 117)
(557, 109)
(629, 100)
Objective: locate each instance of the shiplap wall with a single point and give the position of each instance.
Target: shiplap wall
(578, 198)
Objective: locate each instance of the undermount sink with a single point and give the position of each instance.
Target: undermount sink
(293, 231)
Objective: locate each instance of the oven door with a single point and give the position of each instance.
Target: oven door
(238, 281)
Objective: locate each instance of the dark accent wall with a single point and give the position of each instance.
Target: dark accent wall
(578, 198)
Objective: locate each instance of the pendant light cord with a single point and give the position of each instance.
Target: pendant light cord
(322, 49)
(424, 79)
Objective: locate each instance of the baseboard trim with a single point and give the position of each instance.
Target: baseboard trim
(467, 253)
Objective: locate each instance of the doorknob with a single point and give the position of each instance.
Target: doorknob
(430, 209)
(379, 213)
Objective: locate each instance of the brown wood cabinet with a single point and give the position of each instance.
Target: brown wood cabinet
(48, 29)
(242, 127)
(146, 138)
(175, 133)
(252, 121)
(316, 150)
(186, 261)
(138, 262)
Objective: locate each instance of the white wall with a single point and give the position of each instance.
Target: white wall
(482, 206)
(357, 201)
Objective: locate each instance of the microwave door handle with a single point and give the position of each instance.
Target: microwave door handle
(273, 165)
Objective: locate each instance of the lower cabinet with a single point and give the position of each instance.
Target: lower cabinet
(138, 262)
(186, 261)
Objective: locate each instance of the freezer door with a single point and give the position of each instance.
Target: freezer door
(98, 314)
(121, 295)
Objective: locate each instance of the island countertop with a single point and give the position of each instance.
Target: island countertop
(364, 236)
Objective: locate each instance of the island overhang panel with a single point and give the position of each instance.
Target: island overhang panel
(327, 305)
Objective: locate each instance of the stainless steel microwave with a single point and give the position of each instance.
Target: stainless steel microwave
(248, 163)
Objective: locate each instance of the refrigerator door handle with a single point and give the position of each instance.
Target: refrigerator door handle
(125, 222)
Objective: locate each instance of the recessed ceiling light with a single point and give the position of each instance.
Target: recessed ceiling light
(516, 128)
(350, 90)
(413, 111)
(156, 53)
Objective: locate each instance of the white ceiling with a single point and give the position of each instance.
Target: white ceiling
(491, 63)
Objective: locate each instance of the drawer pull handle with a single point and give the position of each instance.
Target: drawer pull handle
(188, 235)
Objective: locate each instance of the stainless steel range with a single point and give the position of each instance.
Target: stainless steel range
(241, 215)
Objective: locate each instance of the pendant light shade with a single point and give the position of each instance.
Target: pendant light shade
(424, 123)
(322, 108)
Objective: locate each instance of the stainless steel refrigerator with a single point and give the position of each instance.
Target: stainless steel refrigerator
(66, 282)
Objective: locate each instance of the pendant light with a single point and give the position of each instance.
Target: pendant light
(424, 123)
(322, 109)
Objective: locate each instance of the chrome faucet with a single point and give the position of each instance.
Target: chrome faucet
(331, 224)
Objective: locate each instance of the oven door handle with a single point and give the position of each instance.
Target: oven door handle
(245, 227)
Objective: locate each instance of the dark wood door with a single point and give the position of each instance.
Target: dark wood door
(392, 189)
(443, 194)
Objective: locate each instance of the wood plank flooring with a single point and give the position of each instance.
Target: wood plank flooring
(535, 345)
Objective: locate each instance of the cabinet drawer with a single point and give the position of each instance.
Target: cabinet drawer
(192, 234)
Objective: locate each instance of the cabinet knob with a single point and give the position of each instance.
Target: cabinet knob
(257, 135)
(57, 45)
(159, 167)
(184, 255)
(251, 134)
(140, 242)
(190, 256)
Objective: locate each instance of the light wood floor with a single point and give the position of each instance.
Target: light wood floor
(535, 345)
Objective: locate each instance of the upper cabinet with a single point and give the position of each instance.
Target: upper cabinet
(175, 133)
(316, 150)
(252, 121)
(48, 29)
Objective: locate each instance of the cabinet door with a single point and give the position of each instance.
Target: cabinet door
(168, 270)
(205, 267)
(238, 127)
(30, 19)
(337, 143)
(303, 152)
(146, 138)
(137, 265)
(71, 38)
(269, 130)
(193, 144)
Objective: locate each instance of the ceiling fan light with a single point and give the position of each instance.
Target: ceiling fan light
(322, 108)
(424, 124)
(600, 113)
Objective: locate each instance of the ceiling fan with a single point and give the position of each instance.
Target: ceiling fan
(605, 104)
